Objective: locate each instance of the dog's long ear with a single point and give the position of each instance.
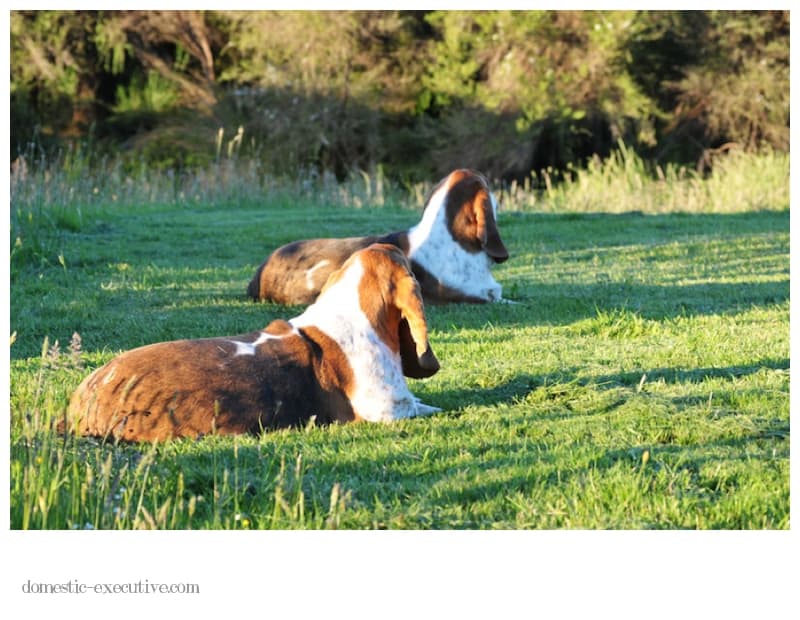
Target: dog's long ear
(486, 225)
(416, 354)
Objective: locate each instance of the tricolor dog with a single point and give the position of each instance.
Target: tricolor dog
(343, 359)
(451, 250)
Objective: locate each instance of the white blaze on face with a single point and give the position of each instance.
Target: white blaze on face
(311, 270)
(381, 393)
(431, 244)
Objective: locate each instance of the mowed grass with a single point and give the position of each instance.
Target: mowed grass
(640, 381)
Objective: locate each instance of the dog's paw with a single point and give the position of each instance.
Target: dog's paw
(423, 409)
(495, 293)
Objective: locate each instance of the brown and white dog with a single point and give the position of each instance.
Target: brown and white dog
(342, 360)
(451, 250)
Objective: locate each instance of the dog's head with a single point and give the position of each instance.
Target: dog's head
(471, 216)
(390, 299)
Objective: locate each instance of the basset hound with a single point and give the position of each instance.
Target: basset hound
(451, 250)
(343, 359)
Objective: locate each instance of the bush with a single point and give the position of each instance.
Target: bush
(415, 93)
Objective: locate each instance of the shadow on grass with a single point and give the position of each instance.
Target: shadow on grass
(708, 452)
(633, 221)
(156, 303)
(693, 375)
(671, 470)
(138, 318)
(563, 381)
(564, 304)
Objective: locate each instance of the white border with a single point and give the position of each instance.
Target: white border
(564, 574)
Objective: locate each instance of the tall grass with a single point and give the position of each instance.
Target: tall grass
(51, 197)
(58, 191)
(77, 180)
(59, 195)
(624, 182)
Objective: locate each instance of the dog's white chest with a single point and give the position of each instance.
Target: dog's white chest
(431, 245)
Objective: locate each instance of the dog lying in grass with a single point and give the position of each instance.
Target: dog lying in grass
(451, 250)
(342, 360)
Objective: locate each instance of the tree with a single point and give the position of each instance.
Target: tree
(322, 85)
(718, 77)
(539, 88)
(53, 73)
(418, 93)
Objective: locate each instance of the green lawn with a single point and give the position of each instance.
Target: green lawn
(641, 381)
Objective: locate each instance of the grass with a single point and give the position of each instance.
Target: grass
(624, 183)
(641, 381)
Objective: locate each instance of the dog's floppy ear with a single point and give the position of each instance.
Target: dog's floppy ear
(488, 235)
(416, 354)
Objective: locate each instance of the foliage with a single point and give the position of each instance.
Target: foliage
(151, 94)
(416, 93)
(327, 96)
(52, 75)
(723, 76)
(552, 79)
(741, 92)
